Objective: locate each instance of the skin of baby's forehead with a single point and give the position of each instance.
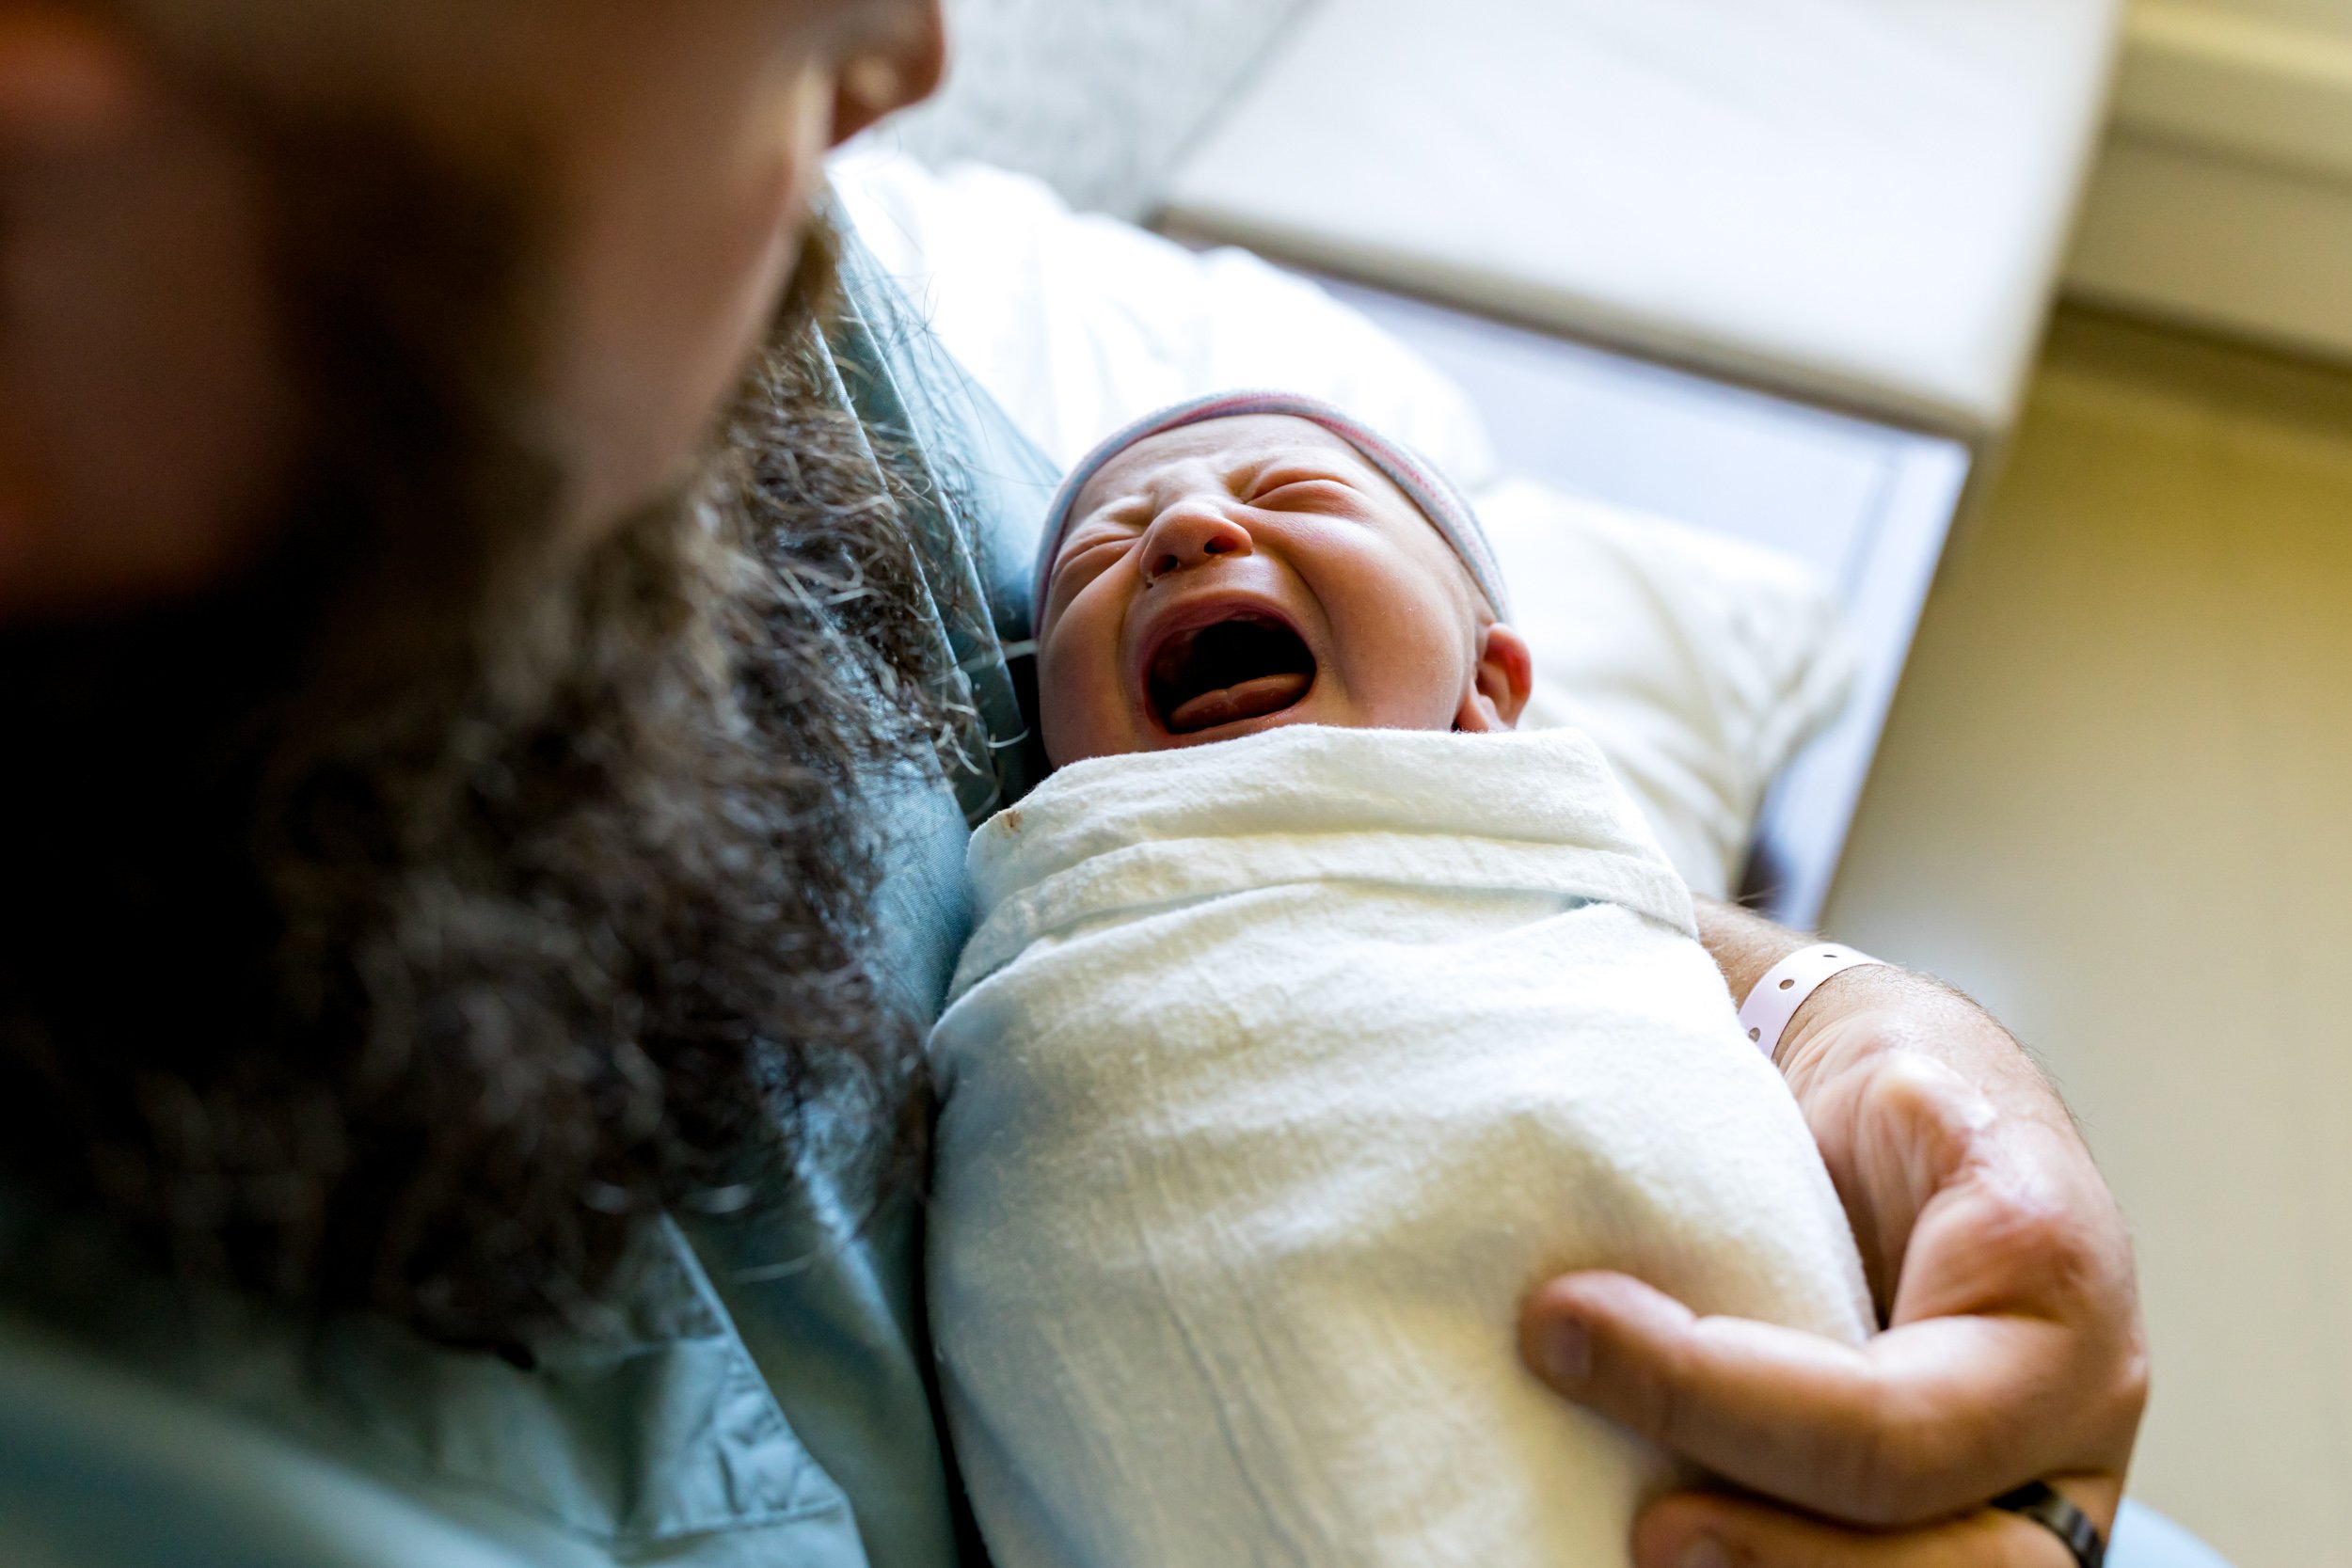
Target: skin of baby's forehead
(1237, 443)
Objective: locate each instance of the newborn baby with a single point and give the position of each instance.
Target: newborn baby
(1311, 1018)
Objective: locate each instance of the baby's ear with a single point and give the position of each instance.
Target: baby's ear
(1505, 676)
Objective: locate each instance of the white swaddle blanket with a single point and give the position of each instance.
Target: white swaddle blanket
(1277, 1072)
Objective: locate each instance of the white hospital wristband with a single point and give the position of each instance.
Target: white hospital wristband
(1787, 984)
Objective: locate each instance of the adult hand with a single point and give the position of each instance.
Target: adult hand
(2000, 1264)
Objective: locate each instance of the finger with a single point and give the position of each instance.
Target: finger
(1896, 1136)
(1923, 1421)
(1691, 1530)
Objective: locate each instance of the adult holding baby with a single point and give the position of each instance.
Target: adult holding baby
(447, 962)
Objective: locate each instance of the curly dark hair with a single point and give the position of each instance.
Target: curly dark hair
(395, 928)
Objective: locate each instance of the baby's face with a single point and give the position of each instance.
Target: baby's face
(1242, 574)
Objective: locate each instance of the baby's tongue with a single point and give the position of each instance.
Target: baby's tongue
(1231, 705)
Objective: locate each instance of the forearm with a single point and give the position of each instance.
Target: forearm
(1910, 1012)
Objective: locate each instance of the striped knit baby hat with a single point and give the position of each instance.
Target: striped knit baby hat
(1430, 490)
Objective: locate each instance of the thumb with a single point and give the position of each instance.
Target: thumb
(1921, 1420)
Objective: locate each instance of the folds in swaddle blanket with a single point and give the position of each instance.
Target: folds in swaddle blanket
(1276, 1073)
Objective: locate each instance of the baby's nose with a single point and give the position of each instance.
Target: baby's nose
(1188, 534)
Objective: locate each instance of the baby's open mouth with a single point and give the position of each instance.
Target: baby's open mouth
(1245, 667)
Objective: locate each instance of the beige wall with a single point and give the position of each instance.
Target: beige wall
(2114, 802)
(2224, 197)
(2304, 13)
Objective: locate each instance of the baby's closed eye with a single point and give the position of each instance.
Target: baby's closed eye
(1290, 491)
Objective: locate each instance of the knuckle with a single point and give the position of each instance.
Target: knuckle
(1913, 1080)
(1918, 1091)
(2052, 1231)
(2133, 1379)
(1917, 1107)
(2127, 1397)
(2028, 1227)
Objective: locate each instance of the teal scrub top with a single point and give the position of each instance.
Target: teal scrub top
(768, 1400)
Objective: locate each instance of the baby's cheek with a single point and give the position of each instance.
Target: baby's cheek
(1061, 719)
(1081, 707)
(1407, 670)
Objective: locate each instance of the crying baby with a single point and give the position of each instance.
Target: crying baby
(1312, 1015)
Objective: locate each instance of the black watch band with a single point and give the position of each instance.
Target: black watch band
(2037, 1501)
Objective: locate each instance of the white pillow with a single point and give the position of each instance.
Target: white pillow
(1078, 323)
(1697, 664)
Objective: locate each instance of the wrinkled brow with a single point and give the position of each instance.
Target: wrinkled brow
(1237, 474)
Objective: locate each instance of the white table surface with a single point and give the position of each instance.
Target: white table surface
(1862, 201)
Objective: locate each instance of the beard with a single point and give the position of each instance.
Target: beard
(395, 929)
